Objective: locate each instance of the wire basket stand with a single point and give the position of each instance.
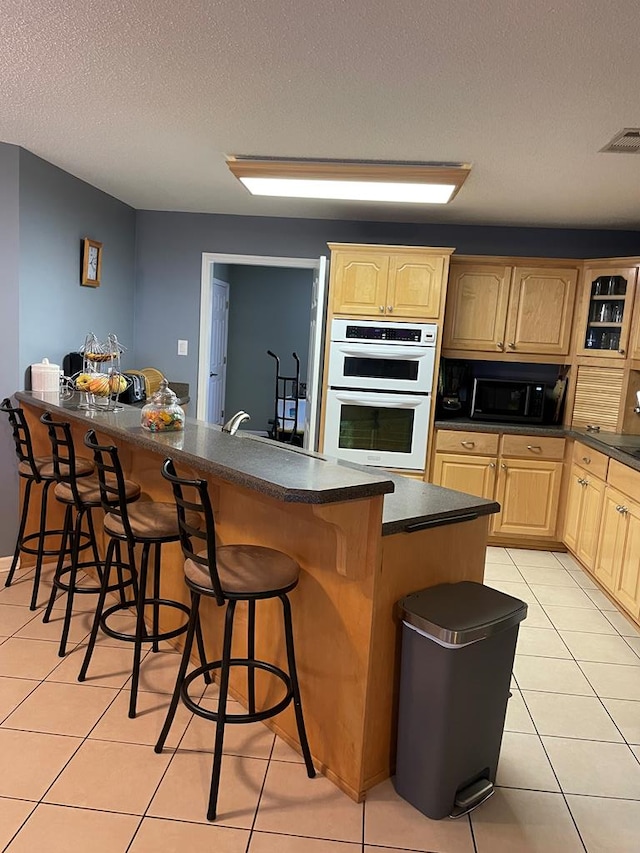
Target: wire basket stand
(284, 426)
(101, 381)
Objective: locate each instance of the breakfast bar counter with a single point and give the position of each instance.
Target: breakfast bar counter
(364, 539)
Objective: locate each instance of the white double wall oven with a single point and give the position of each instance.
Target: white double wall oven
(379, 393)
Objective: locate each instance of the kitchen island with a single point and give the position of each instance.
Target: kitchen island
(364, 538)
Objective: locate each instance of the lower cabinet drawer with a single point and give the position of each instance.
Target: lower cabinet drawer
(593, 461)
(533, 446)
(455, 441)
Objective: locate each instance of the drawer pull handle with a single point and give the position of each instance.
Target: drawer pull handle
(534, 448)
(593, 428)
(468, 443)
(586, 460)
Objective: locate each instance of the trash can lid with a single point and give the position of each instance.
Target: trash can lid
(459, 613)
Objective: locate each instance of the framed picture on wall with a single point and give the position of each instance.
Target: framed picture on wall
(91, 263)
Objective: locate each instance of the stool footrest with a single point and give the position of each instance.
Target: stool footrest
(147, 637)
(249, 663)
(50, 552)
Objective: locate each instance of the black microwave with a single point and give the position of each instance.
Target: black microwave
(508, 400)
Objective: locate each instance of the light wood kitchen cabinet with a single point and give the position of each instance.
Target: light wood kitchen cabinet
(598, 398)
(522, 472)
(387, 281)
(606, 311)
(476, 312)
(528, 492)
(475, 475)
(627, 584)
(613, 535)
(502, 308)
(585, 495)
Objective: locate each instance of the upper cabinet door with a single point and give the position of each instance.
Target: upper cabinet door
(415, 285)
(476, 311)
(359, 282)
(541, 310)
(606, 311)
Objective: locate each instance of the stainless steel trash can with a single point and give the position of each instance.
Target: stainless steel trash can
(458, 646)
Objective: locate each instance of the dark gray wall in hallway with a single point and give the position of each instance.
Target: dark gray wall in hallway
(269, 308)
(9, 340)
(56, 211)
(170, 246)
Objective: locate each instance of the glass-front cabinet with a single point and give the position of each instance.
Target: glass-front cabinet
(607, 310)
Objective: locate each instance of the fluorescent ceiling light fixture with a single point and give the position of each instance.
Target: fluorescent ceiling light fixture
(406, 183)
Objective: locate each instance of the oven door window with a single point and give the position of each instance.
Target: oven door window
(376, 428)
(380, 368)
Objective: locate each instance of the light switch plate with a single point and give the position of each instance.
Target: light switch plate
(183, 347)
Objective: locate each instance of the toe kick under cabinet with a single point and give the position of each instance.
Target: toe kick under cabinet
(522, 472)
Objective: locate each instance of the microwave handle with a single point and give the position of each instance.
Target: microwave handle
(393, 352)
(397, 401)
(527, 400)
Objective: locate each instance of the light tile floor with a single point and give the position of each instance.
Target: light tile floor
(78, 775)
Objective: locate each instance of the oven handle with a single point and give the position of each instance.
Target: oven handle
(373, 351)
(395, 401)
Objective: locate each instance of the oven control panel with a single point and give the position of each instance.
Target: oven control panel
(398, 333)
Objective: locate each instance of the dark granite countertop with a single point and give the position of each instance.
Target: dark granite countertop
(469, 425)
(284, 472)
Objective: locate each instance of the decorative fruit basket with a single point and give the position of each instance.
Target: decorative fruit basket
(100, 381)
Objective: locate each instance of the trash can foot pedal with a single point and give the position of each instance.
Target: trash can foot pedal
(473, 795)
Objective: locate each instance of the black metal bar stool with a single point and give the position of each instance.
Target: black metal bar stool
(34, 470)
(144, 523)
(81, 495)
(229, 574)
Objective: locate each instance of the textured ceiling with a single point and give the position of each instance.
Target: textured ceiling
(144, 99)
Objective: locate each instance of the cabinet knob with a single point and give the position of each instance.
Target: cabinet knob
(593, 428)
(503, 466)
(581, 481)
(381, 307)
(534, 448)
(390, 309)
(621, 351)
(512, 345)
(586, 460)
(468, 443)
(624, 510)
(492, 464)
(500, 345)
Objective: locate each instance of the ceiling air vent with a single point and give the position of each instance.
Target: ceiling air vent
(625, 142)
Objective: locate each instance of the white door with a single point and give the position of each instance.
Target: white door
(314, 364)
(218, 351)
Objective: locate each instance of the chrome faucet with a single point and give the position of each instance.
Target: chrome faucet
(234, 422)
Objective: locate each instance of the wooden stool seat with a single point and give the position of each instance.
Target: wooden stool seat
(149, 520)
(245, 570)
(89, 492)
(45, 468)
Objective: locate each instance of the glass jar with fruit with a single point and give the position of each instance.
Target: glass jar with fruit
(162, 413)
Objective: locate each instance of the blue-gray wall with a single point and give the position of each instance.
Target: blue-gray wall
(170, 246)
(44, 214)
(269, 308)
(9, 339)
(57, 211)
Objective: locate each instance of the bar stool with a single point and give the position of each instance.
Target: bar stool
(146, 523)
(81, 495)
(34, 470)
(228, 574)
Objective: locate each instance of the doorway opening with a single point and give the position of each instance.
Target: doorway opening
(227, 345)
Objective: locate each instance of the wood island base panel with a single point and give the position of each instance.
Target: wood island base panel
(359, 550)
